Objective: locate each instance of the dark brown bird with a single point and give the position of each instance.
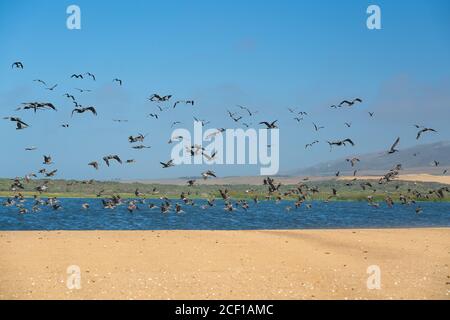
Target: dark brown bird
(40, 81)
(90, 75)
(18, 65)
(423, 131)
(167, 164)
(191, 102)
(207, 174)
(340, 143)
(138, 138)
(19, 123)
(392, 149)
(52, 88)
(158, 98)
(353, 161)
(271, 125)
(69, 96)
(83, 90)
(37, 106)
(82, 110)
(140, 147)
(51, 173)
(47, 160)
(93, 164)
(349, 103)
(111, 157)
(317, 128)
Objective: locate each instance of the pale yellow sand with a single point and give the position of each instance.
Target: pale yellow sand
(257, 180)
(330, 264)
(407, 177)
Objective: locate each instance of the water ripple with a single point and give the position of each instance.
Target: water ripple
(264, 215)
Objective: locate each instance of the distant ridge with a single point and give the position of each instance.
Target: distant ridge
(379, 162)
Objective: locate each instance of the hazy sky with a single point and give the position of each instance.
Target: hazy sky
(267, 55)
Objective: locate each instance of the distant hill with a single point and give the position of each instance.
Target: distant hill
(417, 159)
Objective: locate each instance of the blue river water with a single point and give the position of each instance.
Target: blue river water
(264, 215)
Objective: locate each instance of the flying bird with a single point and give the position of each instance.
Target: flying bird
(203, 122)
(317, 128)
(37, 106)
(138, 138)
(90, 75)
(118, 80)
(77, 76)
(19, 123)
(271, 125)
(40, 81)
(167, 164)
(83, 110)
(210, 157)
(352, 161)
(392, 149)
(94, 164)
(340, 143)
(161, 109)
(419, 134)
(83, 90)
(111, 157)
(51, 173)
(311, 144)
(250, 113)
(69, 96)
(158, 98)
(18, 65)
(235, 119)
(51, 88)
(140, 147)
(207, 174)
(191, 102)
(350, 103)
(47, 160)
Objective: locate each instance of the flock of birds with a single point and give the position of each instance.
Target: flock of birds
(301, 192)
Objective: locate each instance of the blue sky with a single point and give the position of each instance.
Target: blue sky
(268, 55)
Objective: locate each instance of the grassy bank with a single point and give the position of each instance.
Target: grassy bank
(345, 192)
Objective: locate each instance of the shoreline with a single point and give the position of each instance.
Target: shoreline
(355, 198)
(343, 188)
(250, 264)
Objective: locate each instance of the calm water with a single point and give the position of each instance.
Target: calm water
(264, 215)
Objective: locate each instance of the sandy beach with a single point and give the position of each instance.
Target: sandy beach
(422, 177)
(301, 264)
(292, 180)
